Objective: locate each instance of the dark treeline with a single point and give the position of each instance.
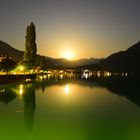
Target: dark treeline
(123, 61)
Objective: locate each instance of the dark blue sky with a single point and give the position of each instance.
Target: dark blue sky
(85, 28)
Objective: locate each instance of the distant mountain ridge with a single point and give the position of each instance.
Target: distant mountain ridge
(124, 61)
(6, 49)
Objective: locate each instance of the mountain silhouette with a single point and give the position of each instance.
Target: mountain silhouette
(6, 49)
(124, 61)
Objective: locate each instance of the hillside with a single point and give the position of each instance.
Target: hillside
(6, 49)
(124, 61)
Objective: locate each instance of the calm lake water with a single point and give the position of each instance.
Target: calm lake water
(70, 109)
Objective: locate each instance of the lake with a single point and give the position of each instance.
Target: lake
(60, 108)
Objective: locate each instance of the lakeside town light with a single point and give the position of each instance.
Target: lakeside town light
(21, 68)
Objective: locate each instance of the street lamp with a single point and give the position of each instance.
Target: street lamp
(21, 68)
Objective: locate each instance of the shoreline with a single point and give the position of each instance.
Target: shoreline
(16, 78)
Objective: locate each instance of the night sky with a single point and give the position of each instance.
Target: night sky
(86, 28)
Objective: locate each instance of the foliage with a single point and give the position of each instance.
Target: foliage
(43, 63)
(26, 64)
(30, 44)
(7, 64)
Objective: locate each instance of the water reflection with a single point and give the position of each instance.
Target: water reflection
(27, 93)
(67, 90)
(61, 76)
(29, 99)
(21, 89)
(7, 95)
(128, 88)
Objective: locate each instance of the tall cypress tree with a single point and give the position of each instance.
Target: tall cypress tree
(30, 44)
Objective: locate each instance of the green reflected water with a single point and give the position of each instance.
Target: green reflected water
(70, 109)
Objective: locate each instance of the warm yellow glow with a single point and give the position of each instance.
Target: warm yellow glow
(61, 76)
(44, 76)
(68, 55)
(21, 89)
(49, 75)
(21, 86)
(41, 77)
(67, 90)
(21, 68)
(78, 44)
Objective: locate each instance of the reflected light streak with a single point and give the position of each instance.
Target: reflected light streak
(21, 90)
(86, 76)
(61, 76)
(67, 90)
(49, 75)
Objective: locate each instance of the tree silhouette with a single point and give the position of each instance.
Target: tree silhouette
(30, 44)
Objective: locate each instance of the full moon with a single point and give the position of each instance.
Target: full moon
(68, 55)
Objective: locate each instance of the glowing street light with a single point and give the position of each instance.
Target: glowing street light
(21, 68)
